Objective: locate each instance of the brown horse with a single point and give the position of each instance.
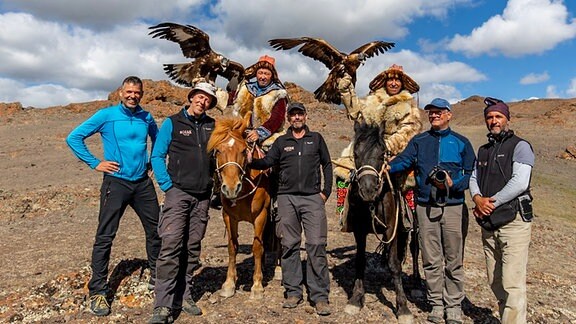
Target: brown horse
(245, 197)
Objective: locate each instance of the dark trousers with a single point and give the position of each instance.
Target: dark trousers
(182, 227)
(297, 213)
(115, 195)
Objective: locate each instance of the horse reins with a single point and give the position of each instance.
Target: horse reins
(370, 170)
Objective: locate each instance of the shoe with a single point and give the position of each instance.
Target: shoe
(436, 316)
(190, 307)
(323, 308)
(292, 302)
(161, 315)
(99, 305)
(454, 316)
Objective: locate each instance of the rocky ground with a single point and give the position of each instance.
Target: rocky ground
(49, 205)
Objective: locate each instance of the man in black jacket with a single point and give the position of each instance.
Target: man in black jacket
(500, 188)
(301, 155)
(187, 181)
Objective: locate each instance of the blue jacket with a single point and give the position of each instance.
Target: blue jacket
(447, 149)
(124, 137)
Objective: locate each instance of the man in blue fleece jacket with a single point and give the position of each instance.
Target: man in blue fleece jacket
(124, 129)
(443, 161)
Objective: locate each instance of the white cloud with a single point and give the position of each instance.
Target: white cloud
(551, 92)
(525, 27)
(103, 15)
(571, 91)
(534, 78)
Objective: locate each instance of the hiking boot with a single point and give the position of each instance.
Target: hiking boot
(323, 308)
(292, 302)
(454, 316)
(436, 316)
(161, 315)
(99, 305)
(190, 307)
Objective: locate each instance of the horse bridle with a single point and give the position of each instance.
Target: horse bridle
(243, 176)
(370, 170)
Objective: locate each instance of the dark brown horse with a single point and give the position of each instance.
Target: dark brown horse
(374, 207)
(245, 197)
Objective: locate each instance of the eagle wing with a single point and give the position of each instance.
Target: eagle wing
(373, 48)
(186, 74)
(234, 73)
(193, 41)
(316, 48)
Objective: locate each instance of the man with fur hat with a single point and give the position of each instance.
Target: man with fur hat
(500, 188)
(390, 105)
(187, 181)
(265, 96)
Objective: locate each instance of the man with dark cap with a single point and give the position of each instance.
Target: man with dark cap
(187, 181)
(443, 161)
(303, 158)
(500, 188)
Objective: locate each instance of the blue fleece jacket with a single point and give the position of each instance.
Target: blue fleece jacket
(124, 138)
(447, 149)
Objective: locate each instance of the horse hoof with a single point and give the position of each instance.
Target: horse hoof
(351, 309)
(405, 319)
(227, 293)
(278, 273)
(256, 294)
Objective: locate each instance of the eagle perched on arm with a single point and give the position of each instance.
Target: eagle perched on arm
(206, 63)
(339, 63)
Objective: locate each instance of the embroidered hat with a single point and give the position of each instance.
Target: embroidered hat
(208, 89)
(394, 71)
(264, 62)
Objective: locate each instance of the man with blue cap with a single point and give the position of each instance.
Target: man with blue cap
(443, 161)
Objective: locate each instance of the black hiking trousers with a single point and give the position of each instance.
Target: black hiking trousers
(115, 195)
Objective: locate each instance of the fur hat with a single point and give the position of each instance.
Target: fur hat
(264, 62)
(208, 89)
(493, 104)
(394, 71)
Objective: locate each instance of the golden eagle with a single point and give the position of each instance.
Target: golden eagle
(206, 65)
(338, 62)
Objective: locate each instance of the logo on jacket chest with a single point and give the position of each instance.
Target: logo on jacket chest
(185, 132)
(288, 148)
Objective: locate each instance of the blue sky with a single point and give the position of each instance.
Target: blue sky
(62, 51)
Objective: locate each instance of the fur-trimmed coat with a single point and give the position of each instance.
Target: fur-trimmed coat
(261, 108)
(400, 116)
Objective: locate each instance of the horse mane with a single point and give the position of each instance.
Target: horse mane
(231, 126)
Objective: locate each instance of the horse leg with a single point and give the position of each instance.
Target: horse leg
(257, 290)
(356, 301)
(229, 286)
(395, 263)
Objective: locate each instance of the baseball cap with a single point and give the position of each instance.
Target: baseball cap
(294, 106)
(438, 103)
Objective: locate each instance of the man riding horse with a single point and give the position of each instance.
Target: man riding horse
(389, 104)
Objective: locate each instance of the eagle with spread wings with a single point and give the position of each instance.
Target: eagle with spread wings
(339, 63)
(207, 65)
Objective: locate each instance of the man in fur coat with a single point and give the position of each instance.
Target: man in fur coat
(389, 104)
(265, 96)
